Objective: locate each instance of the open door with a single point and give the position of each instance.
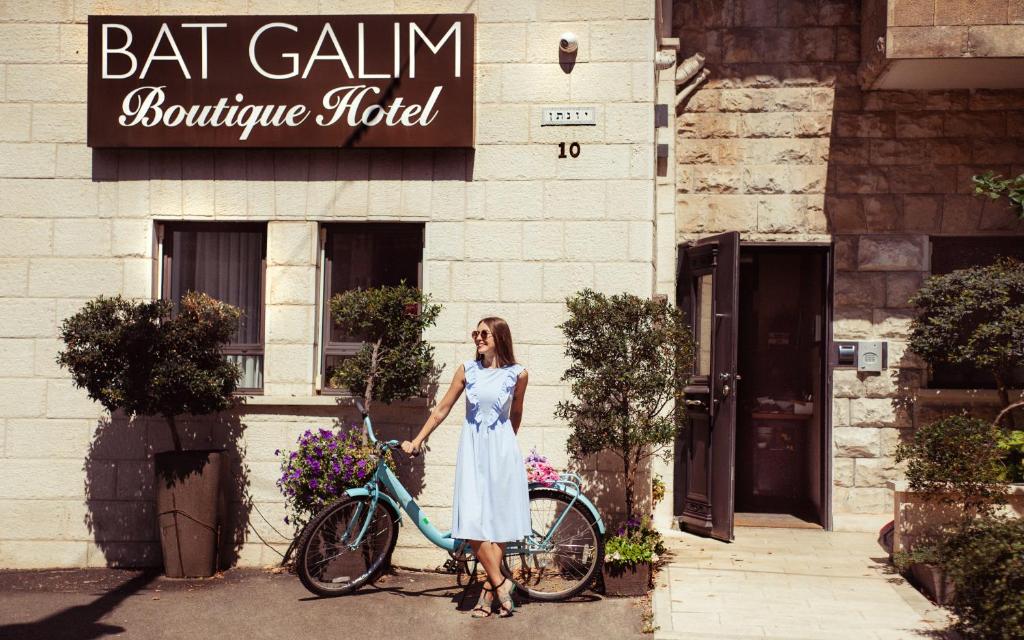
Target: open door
(708, 292)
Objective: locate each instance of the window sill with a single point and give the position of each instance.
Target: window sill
(332, 400)
(962, 396)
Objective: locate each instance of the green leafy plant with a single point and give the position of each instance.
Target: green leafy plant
(394, 361)
(974, 317)
(985, 560)
(657, 489)
(635, 542)
(995, 186)
(922, 553)
(143, 359)
(629, 357)
(957, 460)
(1011, 444)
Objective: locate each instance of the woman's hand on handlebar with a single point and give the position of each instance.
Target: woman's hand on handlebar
(411, 448)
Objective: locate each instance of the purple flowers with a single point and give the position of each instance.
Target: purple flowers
(324, 464)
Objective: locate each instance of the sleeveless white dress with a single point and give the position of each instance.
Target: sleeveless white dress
(491, 499)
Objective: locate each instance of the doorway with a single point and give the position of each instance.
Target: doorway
(756, 447)
(780, 423)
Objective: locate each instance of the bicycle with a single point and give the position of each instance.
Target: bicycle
(349, 544)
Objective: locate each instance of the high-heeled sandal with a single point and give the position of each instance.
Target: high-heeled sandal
(483, 604)
(507, 604)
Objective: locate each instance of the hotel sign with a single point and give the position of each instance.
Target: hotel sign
(281, 81)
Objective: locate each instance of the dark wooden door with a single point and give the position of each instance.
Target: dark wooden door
(707, 290)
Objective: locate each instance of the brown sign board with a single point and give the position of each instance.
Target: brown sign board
(281, 81)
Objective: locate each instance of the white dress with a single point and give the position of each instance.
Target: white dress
(491, 499)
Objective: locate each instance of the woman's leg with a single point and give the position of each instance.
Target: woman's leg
(486, 599)
(489, 555)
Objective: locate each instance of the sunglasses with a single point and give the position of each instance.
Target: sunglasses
(483, 335)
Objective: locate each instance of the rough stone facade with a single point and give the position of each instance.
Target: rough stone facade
(781, 144)
(510, 231)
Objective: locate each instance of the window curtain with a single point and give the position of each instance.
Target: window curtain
(226, 265)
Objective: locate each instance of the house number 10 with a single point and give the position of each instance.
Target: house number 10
(574, 150)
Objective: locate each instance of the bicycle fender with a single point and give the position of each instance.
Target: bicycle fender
(362, 491)
(580, 498)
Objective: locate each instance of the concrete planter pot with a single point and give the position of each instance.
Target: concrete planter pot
(624, 580)
(188, 508)
(932, 580)
(915, 515)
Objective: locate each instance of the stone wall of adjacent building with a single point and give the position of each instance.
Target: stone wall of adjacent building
(510, 231)
(782, 145)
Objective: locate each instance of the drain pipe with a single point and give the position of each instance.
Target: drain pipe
(687, 72)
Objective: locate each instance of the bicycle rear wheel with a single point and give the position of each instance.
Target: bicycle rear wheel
(570, 559)
(325, 560)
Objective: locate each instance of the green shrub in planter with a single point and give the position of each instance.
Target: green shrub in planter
(985, 560)
(629, 357)
(957, 460)
(394, 362)
(143, 359)
(974, 317)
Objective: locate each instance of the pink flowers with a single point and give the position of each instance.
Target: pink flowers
(538, 469)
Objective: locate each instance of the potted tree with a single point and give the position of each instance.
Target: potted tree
(629, 356)
(394, 361)
(975, 318)
(955, 465)
(145, 360)
(959, 466)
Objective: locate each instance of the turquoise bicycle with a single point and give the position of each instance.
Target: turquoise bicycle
(349, 543)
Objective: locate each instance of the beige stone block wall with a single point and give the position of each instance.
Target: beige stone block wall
(782, 145)
(510, 230)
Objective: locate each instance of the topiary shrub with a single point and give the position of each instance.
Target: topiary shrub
(957, 460)
(974, 317)
(985, 560)
(629, 357)
(142, 359)
(394, 361)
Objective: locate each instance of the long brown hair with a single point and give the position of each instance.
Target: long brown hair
(502, 340)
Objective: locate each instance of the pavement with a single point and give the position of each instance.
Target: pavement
(253, 604)
(791, 584)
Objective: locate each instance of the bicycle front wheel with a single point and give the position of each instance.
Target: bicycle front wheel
(329, 562)
(562, 555)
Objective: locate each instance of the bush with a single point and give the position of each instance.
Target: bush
(142, 359)
(322, 468)
(394, 361)
(973, 317)
(985, 560)
(958, 461)
(636, 541)
(628, 358)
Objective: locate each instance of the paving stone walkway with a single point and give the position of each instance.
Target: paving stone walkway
(788, 584)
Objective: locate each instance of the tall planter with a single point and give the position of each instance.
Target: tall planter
(188, 513)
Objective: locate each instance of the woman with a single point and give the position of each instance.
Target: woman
(491, 504)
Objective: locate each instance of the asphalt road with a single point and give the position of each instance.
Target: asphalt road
(254, 604)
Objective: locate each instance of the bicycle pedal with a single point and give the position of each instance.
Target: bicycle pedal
(341, 579)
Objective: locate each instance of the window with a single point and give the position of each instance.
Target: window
(361, 256)
(950, 254)
(225, 261)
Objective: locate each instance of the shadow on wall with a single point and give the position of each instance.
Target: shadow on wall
(120, 485)
(283, 165)
(604, 483)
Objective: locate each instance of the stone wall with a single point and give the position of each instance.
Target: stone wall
(510, 231)
(954, 28)
(782, 145)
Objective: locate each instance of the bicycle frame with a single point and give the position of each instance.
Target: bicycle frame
(384, 478)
